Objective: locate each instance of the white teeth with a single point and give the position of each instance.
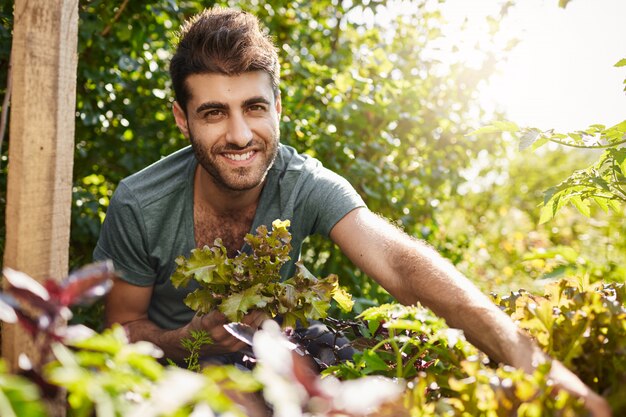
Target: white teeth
(239, 157)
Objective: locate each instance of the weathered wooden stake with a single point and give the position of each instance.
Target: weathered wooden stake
(41, 145)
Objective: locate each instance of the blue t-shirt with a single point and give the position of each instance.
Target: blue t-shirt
(149, 222)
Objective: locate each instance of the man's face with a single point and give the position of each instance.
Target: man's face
(232, 123)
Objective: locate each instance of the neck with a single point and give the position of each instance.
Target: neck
(219, 200)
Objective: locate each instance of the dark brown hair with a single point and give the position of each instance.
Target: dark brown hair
(224, 41)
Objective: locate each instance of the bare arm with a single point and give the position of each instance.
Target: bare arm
(413, 271)
(127, 304)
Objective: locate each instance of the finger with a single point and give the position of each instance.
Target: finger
(213, 324)
(230, 344)
(234, 346)
(238, 345)
(214, 319)
(222, 341)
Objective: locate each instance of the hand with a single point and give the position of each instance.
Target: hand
(223, 342)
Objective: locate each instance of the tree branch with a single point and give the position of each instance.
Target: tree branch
(572, 145)
(107, 29)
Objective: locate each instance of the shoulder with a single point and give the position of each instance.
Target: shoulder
(288, 159)
(305, 174)
(169, 175)
(291, 163)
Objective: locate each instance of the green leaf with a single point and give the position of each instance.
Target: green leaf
(547, 213)
(602, 202)
(207, 265)
(111, 341)
(147, 365)
(528, 138)
(581, 205)
(615, 205)
(563, 3)
(616, 134)
(371, 362)
(287, 296)
(238, 304)
(18, 396)
(539, 143)
(291, 319)
(373, 325)
(343, 299)
(202, 300)
(621, 63)
(543, 311)
(280, 226)
(404, 324)
(317, 309)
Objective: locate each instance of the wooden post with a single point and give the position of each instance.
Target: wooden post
(41, 145)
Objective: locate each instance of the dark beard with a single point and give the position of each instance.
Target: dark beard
(236, 181)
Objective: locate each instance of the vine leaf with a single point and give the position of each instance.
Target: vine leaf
(528, 138)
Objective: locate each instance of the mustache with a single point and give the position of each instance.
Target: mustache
(252, 145)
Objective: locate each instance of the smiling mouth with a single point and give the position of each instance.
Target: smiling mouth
(239, 157)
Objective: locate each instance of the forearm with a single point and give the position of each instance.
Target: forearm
(167, 340)
(425, 276)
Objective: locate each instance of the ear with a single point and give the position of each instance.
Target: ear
(181, 119)
(278, 104)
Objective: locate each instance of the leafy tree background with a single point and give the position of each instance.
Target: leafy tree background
(375, 104)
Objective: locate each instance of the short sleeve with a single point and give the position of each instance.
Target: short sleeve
(123, 239)
(330, 197)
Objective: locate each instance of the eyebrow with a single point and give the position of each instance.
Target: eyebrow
(256, 100)
(211, 105)
(223, 106)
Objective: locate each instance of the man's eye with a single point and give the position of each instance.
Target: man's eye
(213, 114)
(256, 108)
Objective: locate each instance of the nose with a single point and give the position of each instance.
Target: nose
(239, 133)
